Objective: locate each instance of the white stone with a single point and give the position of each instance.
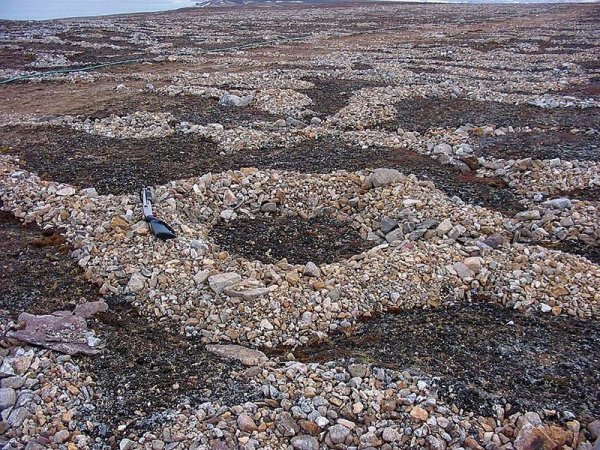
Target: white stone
(218, 283)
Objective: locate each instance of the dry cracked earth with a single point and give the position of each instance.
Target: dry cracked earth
(387, 219)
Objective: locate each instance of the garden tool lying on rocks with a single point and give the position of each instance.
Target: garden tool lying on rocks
(159, 228)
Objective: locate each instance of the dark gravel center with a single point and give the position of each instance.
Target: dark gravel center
(484, 354)
(321, 240)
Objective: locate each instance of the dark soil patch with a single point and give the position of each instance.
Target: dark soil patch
(586, 90)
(327, 155)
(148, 368)
(425, 114)
(549, 145)
(591, 66)
(576, 247)
(322, 239)
(361, 66)
(329, 96)
(114, 166)
(537, 362)
(142, 362)
(591, 194)
(76, 55)
(37, 275)
(123, 166)
(14, 59)
(185, 107)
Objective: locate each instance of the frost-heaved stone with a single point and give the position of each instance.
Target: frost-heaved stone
(494, 241)
(235, 100)
(383, 177)
(305, 442)
(532, 214)
(246, 294)
(419, 413)
(218, 283)
(558, 203)
(88, 309)
(473, 263)
(66, 191)
(462, 270)
(387, 224)
(338, 434)
(246, 423)
(444, 227)
(312, 270)
(61, 331)
(201, 277)
(8, 397)
(247, 356)
(442, 149)
(137, 282)
(395, 236)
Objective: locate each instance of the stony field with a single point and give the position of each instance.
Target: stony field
(387, 218)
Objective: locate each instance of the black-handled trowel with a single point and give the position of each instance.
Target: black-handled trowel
(159, 228)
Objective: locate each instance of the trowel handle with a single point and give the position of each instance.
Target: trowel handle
(146, 199)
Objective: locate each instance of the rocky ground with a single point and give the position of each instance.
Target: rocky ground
(387, 220)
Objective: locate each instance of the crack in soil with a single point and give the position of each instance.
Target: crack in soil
(549, 145)
(124, 165)
(330, 95)
(36, 270)
(484, 354)
(148, 368)
(425, 114)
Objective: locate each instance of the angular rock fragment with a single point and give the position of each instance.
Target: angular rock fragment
(234, 100)
(246, 294)
(218, 283)
(61, 331)
(88, 309)
(312, 270)
(387, 224)
(247, 356)
(558, 203)
(383, 177)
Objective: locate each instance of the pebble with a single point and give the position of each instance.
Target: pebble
(246, 423)
(218, 283)
(8, 397)
(305, 442)
(419, 413)
(338, 434)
